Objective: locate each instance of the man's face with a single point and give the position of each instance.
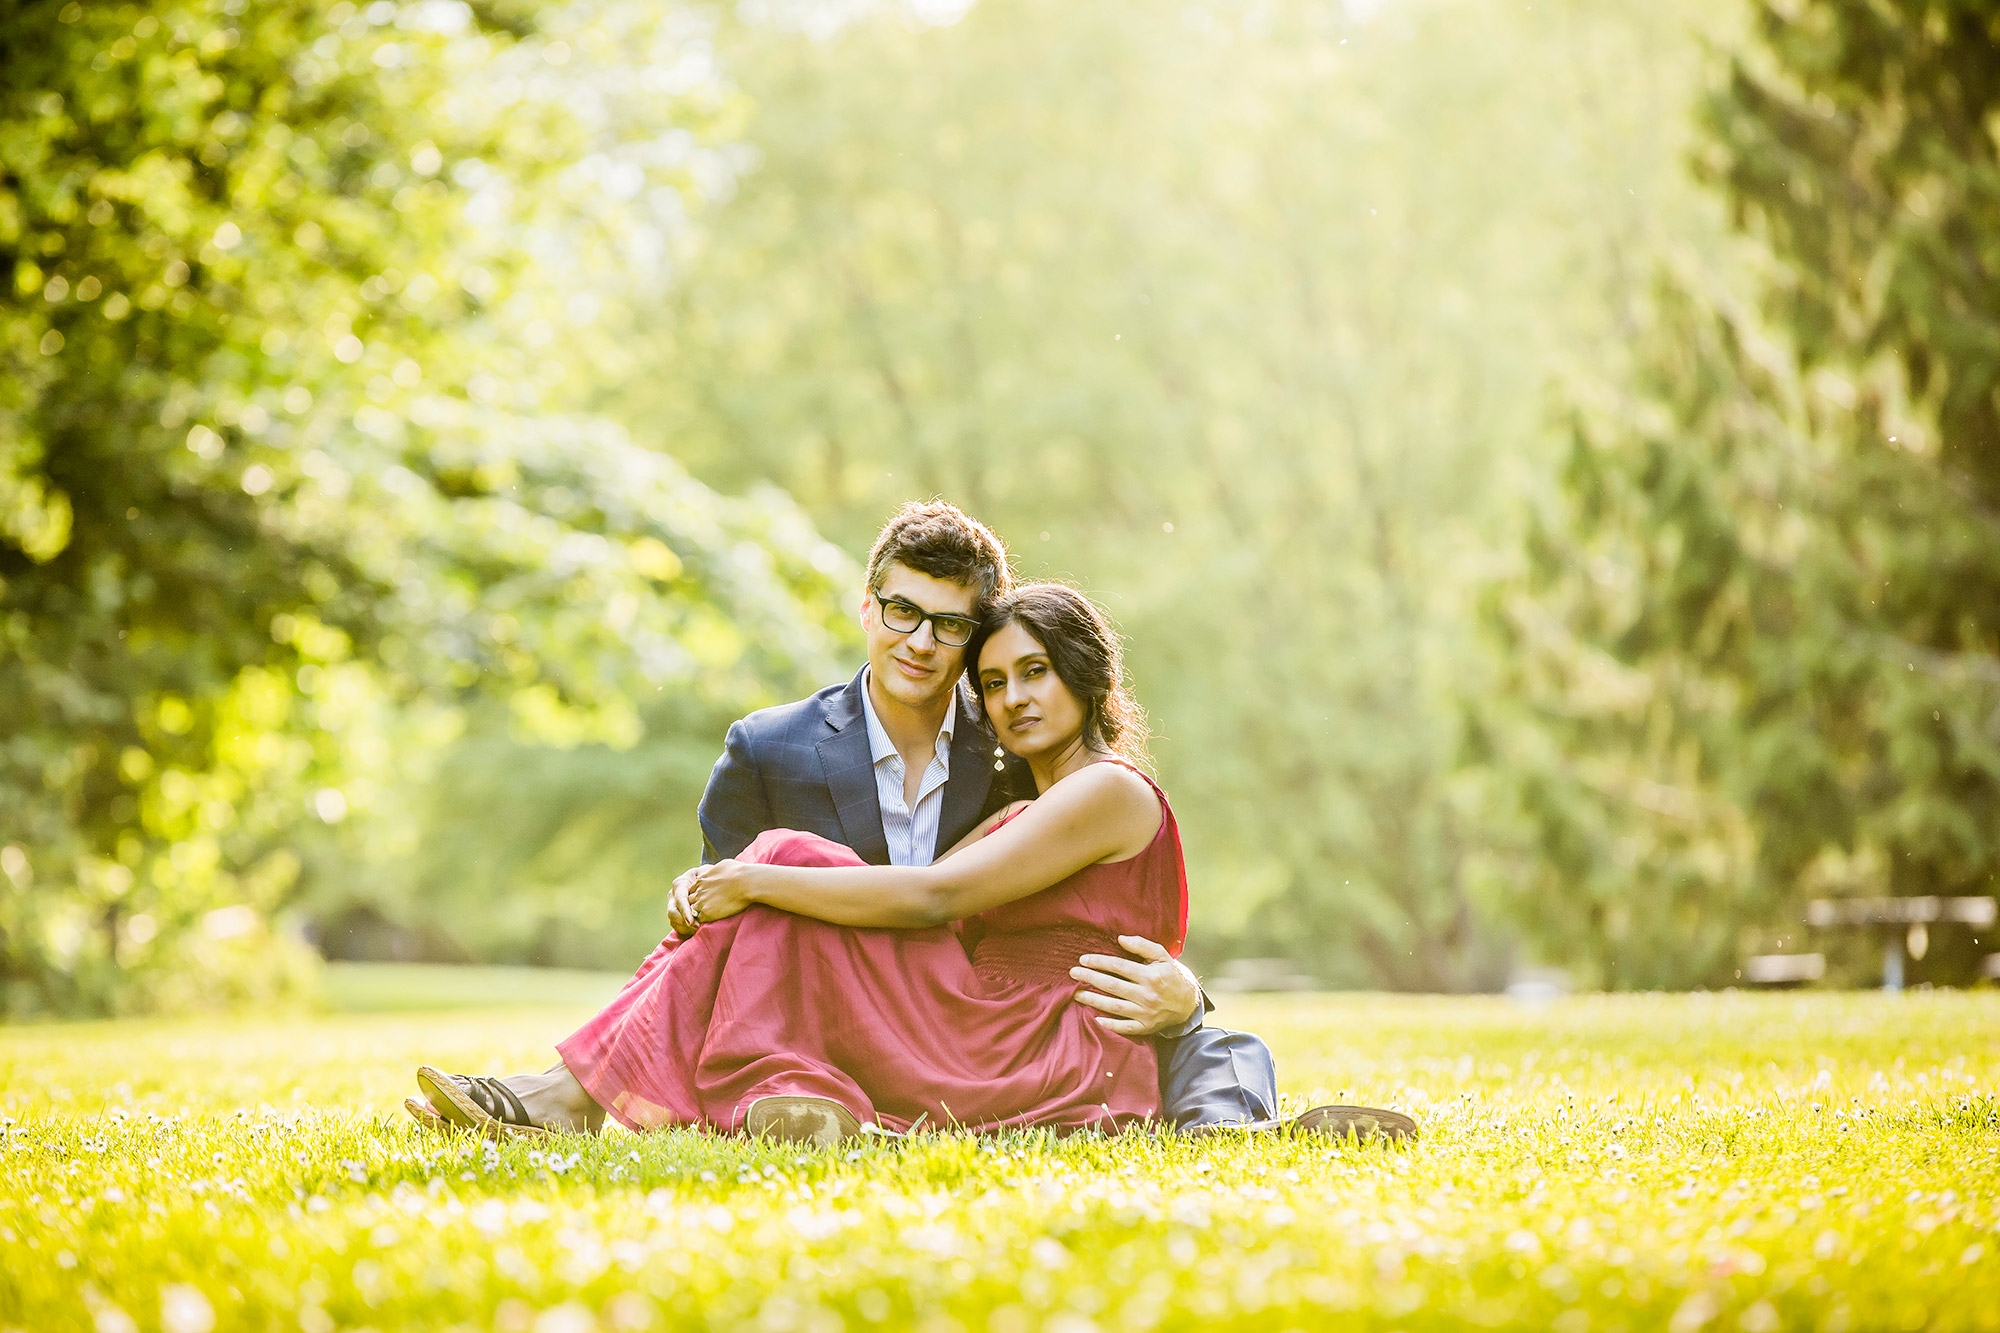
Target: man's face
(914, 668)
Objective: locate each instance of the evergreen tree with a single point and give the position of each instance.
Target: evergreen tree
(1760, 639)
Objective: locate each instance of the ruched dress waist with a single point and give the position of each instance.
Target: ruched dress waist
(1039, 957)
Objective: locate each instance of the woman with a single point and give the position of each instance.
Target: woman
(821, 993)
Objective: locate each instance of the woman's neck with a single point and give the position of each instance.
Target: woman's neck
(1057, 764)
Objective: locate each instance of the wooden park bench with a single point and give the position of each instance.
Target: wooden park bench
(1261, 974)
(1904, 922)
(1784, 969)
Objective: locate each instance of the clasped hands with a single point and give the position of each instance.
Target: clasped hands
(1148, 993)
(708, 893)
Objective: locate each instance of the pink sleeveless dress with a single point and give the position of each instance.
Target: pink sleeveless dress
(973, 1025)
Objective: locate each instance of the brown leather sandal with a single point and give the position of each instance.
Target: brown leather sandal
(425, 1114)
(480, 1103)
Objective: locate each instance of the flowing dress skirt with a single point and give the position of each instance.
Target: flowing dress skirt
(975, 1026)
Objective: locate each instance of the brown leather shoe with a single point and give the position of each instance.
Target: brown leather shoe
(810, 1120)
(1365, 1123)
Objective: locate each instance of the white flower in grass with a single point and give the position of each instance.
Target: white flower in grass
(942, 1241)
(1694, 1312)
(183, 1309)
(569, 1317)
(1048, 1252)
(106, 1315)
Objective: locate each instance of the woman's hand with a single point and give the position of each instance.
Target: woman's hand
(716, 892)
(680, 912)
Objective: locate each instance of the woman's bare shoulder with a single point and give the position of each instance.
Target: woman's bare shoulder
(1113, 784)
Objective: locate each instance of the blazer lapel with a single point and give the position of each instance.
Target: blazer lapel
(850, 776)
(971, 776)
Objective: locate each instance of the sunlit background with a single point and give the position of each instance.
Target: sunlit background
(1542, 458)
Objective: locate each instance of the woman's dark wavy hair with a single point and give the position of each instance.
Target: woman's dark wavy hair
(1086, 654)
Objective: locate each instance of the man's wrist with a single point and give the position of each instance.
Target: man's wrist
(1196, 1012)
(1191, 1023)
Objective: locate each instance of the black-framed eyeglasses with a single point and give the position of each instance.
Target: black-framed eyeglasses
(905, 618)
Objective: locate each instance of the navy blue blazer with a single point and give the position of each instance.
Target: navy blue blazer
(806, 766)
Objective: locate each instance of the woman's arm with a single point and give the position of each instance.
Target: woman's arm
(680, 912)
(985, 826)
(1105, 812)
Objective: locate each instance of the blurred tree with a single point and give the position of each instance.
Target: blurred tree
(283, 479)
(551, 856)
(1242, 314)
(1761, 634)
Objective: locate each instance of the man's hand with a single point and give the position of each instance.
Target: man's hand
(1137, 998)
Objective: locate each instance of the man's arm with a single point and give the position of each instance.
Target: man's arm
(733, 811)
(1153, 995)
(734, 808)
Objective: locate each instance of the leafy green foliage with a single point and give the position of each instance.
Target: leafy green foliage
(1259, 365)
(555, 856)
(341, 569)
(1762, 639)
(285, 482)
(1739, 1162)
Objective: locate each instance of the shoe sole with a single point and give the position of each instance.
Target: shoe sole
(808, 1120)
(1362, 1122)
(455, 1107)
(1217, 1128)
(426, 1115)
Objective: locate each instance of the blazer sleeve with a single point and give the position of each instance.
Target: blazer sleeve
(734, 808)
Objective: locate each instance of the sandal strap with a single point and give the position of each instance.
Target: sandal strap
(496, 1099)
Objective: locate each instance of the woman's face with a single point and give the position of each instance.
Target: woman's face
(1026, 701)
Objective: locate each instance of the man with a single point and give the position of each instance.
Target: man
(898, 764)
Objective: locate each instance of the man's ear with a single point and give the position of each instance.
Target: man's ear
(867, 608)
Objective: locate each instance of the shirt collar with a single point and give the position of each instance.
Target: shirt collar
(880, 747)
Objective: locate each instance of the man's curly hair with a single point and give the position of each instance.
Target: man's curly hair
(937, 538)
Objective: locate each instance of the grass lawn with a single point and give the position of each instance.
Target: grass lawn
(1747, 1162)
